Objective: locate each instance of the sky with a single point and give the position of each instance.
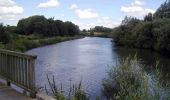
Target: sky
(85, 13)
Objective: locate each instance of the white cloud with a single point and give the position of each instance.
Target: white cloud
(138, 2)
(136, 9)
(7, 3)
(85, 26)
(94, 19)
(84, 13)
(9, 10)
(49, 4)
(73, 7)
(100, 21)
(107, 22)
(150, 10)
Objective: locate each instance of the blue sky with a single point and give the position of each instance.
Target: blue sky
(85, 13)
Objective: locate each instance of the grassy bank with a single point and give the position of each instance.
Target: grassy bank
(23, 43)
(97, 34)
(129, 81)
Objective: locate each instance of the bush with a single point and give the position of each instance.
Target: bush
(1, 46)
(129, 81)
(151, 33)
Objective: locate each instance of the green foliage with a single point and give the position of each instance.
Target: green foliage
(36, 31)
(151, 33)
(163, 11)
(148, 17)
(126, 82)
(1, 46)
(4, 36)
(129, 81)
(100, 29)
(75, 93)
(46, 27)
(130, 21)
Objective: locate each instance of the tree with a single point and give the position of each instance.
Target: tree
(131, 21)
(152, 32)
(101, 29)
(47, 27)
(4, 37)
(72, 28)
(148, 17)
(163, 11)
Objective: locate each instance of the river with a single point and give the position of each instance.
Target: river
(89, 60)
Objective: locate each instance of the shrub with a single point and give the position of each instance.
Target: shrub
(129, 81)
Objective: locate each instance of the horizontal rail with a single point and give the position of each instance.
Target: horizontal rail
(13, 53)
(18, 68)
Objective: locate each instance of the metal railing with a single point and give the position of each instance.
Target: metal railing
(19, 69)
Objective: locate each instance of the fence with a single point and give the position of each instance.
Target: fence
(18, 68)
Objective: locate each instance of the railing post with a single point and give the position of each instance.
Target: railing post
(18, 69)
(33, 93)
(7, 70)
(8, 83)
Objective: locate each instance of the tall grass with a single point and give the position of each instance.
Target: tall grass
(76, 92)
(23, 43)
(129, 81)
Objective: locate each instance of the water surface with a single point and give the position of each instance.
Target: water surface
(86, 59)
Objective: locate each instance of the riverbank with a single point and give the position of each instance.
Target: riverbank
(97, 34)
(49, 41)
(24, 43)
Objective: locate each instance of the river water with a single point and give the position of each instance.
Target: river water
(88, 59)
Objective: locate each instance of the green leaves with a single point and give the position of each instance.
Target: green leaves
(129, 81)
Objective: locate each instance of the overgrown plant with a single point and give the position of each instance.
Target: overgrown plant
(57, 93)
(76, 92)
(129, 81)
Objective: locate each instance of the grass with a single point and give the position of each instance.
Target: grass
(129, 81)
(76, 92)
(97, 34)
(22, 43)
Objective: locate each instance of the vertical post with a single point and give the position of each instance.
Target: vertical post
(7, 70)
(33, 93)
(8, 83)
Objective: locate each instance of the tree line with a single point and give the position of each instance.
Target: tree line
(46, 27)
(40, 26)
(153, 32)
(100, 29)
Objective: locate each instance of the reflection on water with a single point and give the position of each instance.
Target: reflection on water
(148, 59)
(87, 59)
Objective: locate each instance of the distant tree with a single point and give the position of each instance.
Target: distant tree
(46, 27)
(52, 28)
(148, 17)
(72, 28)
(4, 37)
(151, 33)
(130, 21)
(101, 29)
(84, 30)
(163, 11)
(10, 29)
(61, 27)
